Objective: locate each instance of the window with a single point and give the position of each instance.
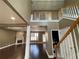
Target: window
(34, 36)
(44, 38)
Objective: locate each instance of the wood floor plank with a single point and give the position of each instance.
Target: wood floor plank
(37, 52)
(17, 52)
(14, 52)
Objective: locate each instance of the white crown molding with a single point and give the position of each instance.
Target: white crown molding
(44, 20)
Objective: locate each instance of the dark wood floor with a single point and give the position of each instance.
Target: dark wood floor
(37, 52)
(17, 52)
(14, 52)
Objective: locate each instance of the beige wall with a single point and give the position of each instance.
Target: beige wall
(23, 7)
(53, 25)
(54, 14)
(7, 37)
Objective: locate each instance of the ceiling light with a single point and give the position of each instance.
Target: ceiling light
(13, 18)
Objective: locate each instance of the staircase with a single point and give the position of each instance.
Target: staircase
(69, 42)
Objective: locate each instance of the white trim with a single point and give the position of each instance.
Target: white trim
(70, 18)
(27, 47)
(7, 46)
(76, 43)
(49, 56)
(11, 45)
(55, 20)
(54, 29)
(51, 38)
(78, 28)
(44, 20)
(20, 43)
(39, 30)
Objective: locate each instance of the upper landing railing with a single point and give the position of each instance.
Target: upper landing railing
(73, 25)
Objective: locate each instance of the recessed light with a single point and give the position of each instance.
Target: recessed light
(13, 18)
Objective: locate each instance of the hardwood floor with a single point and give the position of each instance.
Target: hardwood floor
(14, 52)
(17, 52)
(37, 52)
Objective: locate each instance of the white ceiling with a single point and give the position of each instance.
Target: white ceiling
(47, 4)
(6, 13)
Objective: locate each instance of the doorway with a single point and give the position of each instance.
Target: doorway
(55, 37)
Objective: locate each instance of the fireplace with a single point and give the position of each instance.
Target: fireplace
(19, 41)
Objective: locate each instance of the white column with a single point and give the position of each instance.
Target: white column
(32, 17)
(27, 43)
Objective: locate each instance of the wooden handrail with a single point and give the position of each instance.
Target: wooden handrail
(73, 25)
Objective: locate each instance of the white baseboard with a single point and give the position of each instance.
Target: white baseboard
(10, 45)
(49, 56)
(20, 43)
(7, 46)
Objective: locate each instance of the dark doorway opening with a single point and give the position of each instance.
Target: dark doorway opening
(55, 37)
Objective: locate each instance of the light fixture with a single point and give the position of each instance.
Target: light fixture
(13, 18)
